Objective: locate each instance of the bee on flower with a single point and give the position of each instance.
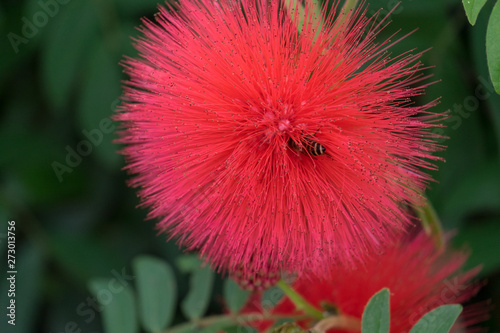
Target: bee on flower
(269, 149)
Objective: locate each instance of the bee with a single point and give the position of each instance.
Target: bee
(314, 148)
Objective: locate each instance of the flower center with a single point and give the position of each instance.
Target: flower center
(284, 125)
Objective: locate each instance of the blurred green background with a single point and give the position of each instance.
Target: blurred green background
(61, 180)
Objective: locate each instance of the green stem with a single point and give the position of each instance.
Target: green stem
(299, 301)
(226, 320)
(297, 13)
(347, 10)
(431, 223)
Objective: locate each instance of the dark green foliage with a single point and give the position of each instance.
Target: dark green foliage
(62, 183)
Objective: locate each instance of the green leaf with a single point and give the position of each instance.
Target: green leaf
(271, 297)
(235, 296)
(118, 305)
(493, 46)
(472, 9)
(482, 239)
(187, 263)
(485, 91)
(17, 50)
(439, 320)
(98, 99)
(77, 253)
(66, 45)
(465, 127)
(376, 316)
(196, 302)
(477, 191)
(35, 170)
(157, 292)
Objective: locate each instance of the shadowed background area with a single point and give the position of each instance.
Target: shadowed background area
(61, 179)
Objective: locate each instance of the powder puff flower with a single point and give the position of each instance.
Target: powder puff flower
(419, 277)
(266, 149)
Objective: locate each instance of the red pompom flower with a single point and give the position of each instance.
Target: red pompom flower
(266, 148)
(419, 277)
